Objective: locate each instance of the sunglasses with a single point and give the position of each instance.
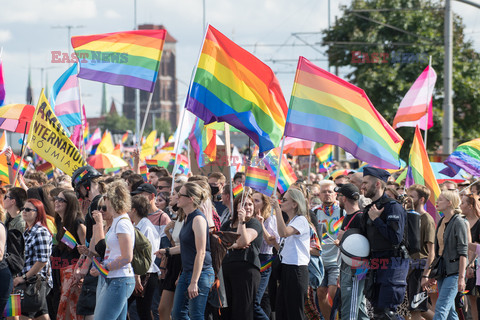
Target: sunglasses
(28, 209)
(183, 195)
(7, 197)
(60, 199)
(102, 208)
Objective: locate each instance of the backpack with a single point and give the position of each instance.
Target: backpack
(142, 253)
(15, 255)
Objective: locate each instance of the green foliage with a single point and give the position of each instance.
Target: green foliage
(114, 123)
(387, 83)
(161, 125)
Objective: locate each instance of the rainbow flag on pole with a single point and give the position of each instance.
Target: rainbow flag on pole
(324, 153)
(69, 239)
(420, 172)
(47, 167)
(100, 268)
(232, 85)
(286, 174)
(13, 306)
(257, 178)
(467, 157)
(23, 166)
(130, 58)
(144, 173)
(237, 190)
(328, 109)
(204, 142)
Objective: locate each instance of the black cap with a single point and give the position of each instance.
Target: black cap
(349, 190)
(145, 187)
(377, 173)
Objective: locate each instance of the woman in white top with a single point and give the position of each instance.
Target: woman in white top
(120, 239)
(295, 256)
(145, 285)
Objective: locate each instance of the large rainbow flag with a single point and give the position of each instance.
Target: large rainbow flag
(420, 172)
(467, 157)
(130, 58)
(204, 142)
(232, 85)
(286, 175)
(328, 109)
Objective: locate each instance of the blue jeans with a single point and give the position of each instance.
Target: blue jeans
(183, 307)
(258, 313)
(445, 306)
(112, 302)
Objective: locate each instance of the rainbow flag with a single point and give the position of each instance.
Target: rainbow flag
(257, 178)
(232, 85)
(286, 174)
(413, 108)
(100, 268)
(124, 137)
(338, 224)
(156, 163)
(80, 176)
(467, 157)
(130, 58)
(267, 264)
(47, 167)
(237, 190)
(69, 239)
(324, 153)
(328, 109)
(204, 142)
(182, 164)
(13, 306)
(324, 167)
(86, 133)
(2, 85)
(23, 166)
(144, 172)
(420, 172)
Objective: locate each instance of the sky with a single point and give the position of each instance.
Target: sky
(276, 31)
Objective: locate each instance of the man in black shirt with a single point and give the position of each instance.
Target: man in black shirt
(353, 303)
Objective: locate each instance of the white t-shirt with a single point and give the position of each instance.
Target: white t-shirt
(120, 224)
(148, 230)
(176, 231)
(296, 249)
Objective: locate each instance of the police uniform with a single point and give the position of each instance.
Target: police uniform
(389, 258)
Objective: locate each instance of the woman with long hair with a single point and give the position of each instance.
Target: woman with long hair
(174, 262)
(68, 218)
(120, 240)
(470, 207)
(295, 256)
(241, 266)
(451, 244)
(197, 275)
(38, 248)
(263, 213)
(6, 278)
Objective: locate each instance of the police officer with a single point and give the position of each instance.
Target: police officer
(385, 220)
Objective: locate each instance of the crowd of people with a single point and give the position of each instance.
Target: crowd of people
(179, 247)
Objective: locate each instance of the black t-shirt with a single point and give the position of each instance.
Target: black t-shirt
(249, 254)
(356, 223)
(475, 232)
(89, 221)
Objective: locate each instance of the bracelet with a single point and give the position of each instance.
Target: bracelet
(167, 252)
(9, 163)
(424, 276)
(24, 277)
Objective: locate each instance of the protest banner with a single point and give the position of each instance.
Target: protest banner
(48, 139)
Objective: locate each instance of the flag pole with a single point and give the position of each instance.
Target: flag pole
(310, 162)
(278, 168)
(147, 111)
(82, 107)
(464, 189)
(229, 163)
(177, 142)
(428, 99)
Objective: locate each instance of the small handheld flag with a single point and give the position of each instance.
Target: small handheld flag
(13, 306)
(144, 172)
(69, 239)
(100, 268)
(338, 224)
(237, 190)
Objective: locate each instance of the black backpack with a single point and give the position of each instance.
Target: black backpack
(15, 255)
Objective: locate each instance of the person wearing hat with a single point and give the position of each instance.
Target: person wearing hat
(353, 306)
(385, 220)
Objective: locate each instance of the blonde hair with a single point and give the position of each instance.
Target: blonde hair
(120, 199)
(299, 199)
(454, 198)
(196, 193)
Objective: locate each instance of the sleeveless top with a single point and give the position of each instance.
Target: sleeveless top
(187, 243)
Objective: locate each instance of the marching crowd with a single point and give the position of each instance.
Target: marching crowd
(357, 247)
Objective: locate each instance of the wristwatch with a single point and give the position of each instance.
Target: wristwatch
(24, 277)
(167, 252)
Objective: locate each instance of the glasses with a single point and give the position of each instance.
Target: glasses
(7, 197)
(102, 208)
(60, 199)
(284, 199)
(183, 195)
(28, 209)
(162, 187)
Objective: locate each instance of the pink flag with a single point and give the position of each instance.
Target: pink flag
(413, 108)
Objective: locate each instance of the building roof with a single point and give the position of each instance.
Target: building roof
(149, 26)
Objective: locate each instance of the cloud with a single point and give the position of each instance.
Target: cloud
(112, 14)
(5, 35)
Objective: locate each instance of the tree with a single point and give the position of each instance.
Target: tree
(116, 123)
(418, 28)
